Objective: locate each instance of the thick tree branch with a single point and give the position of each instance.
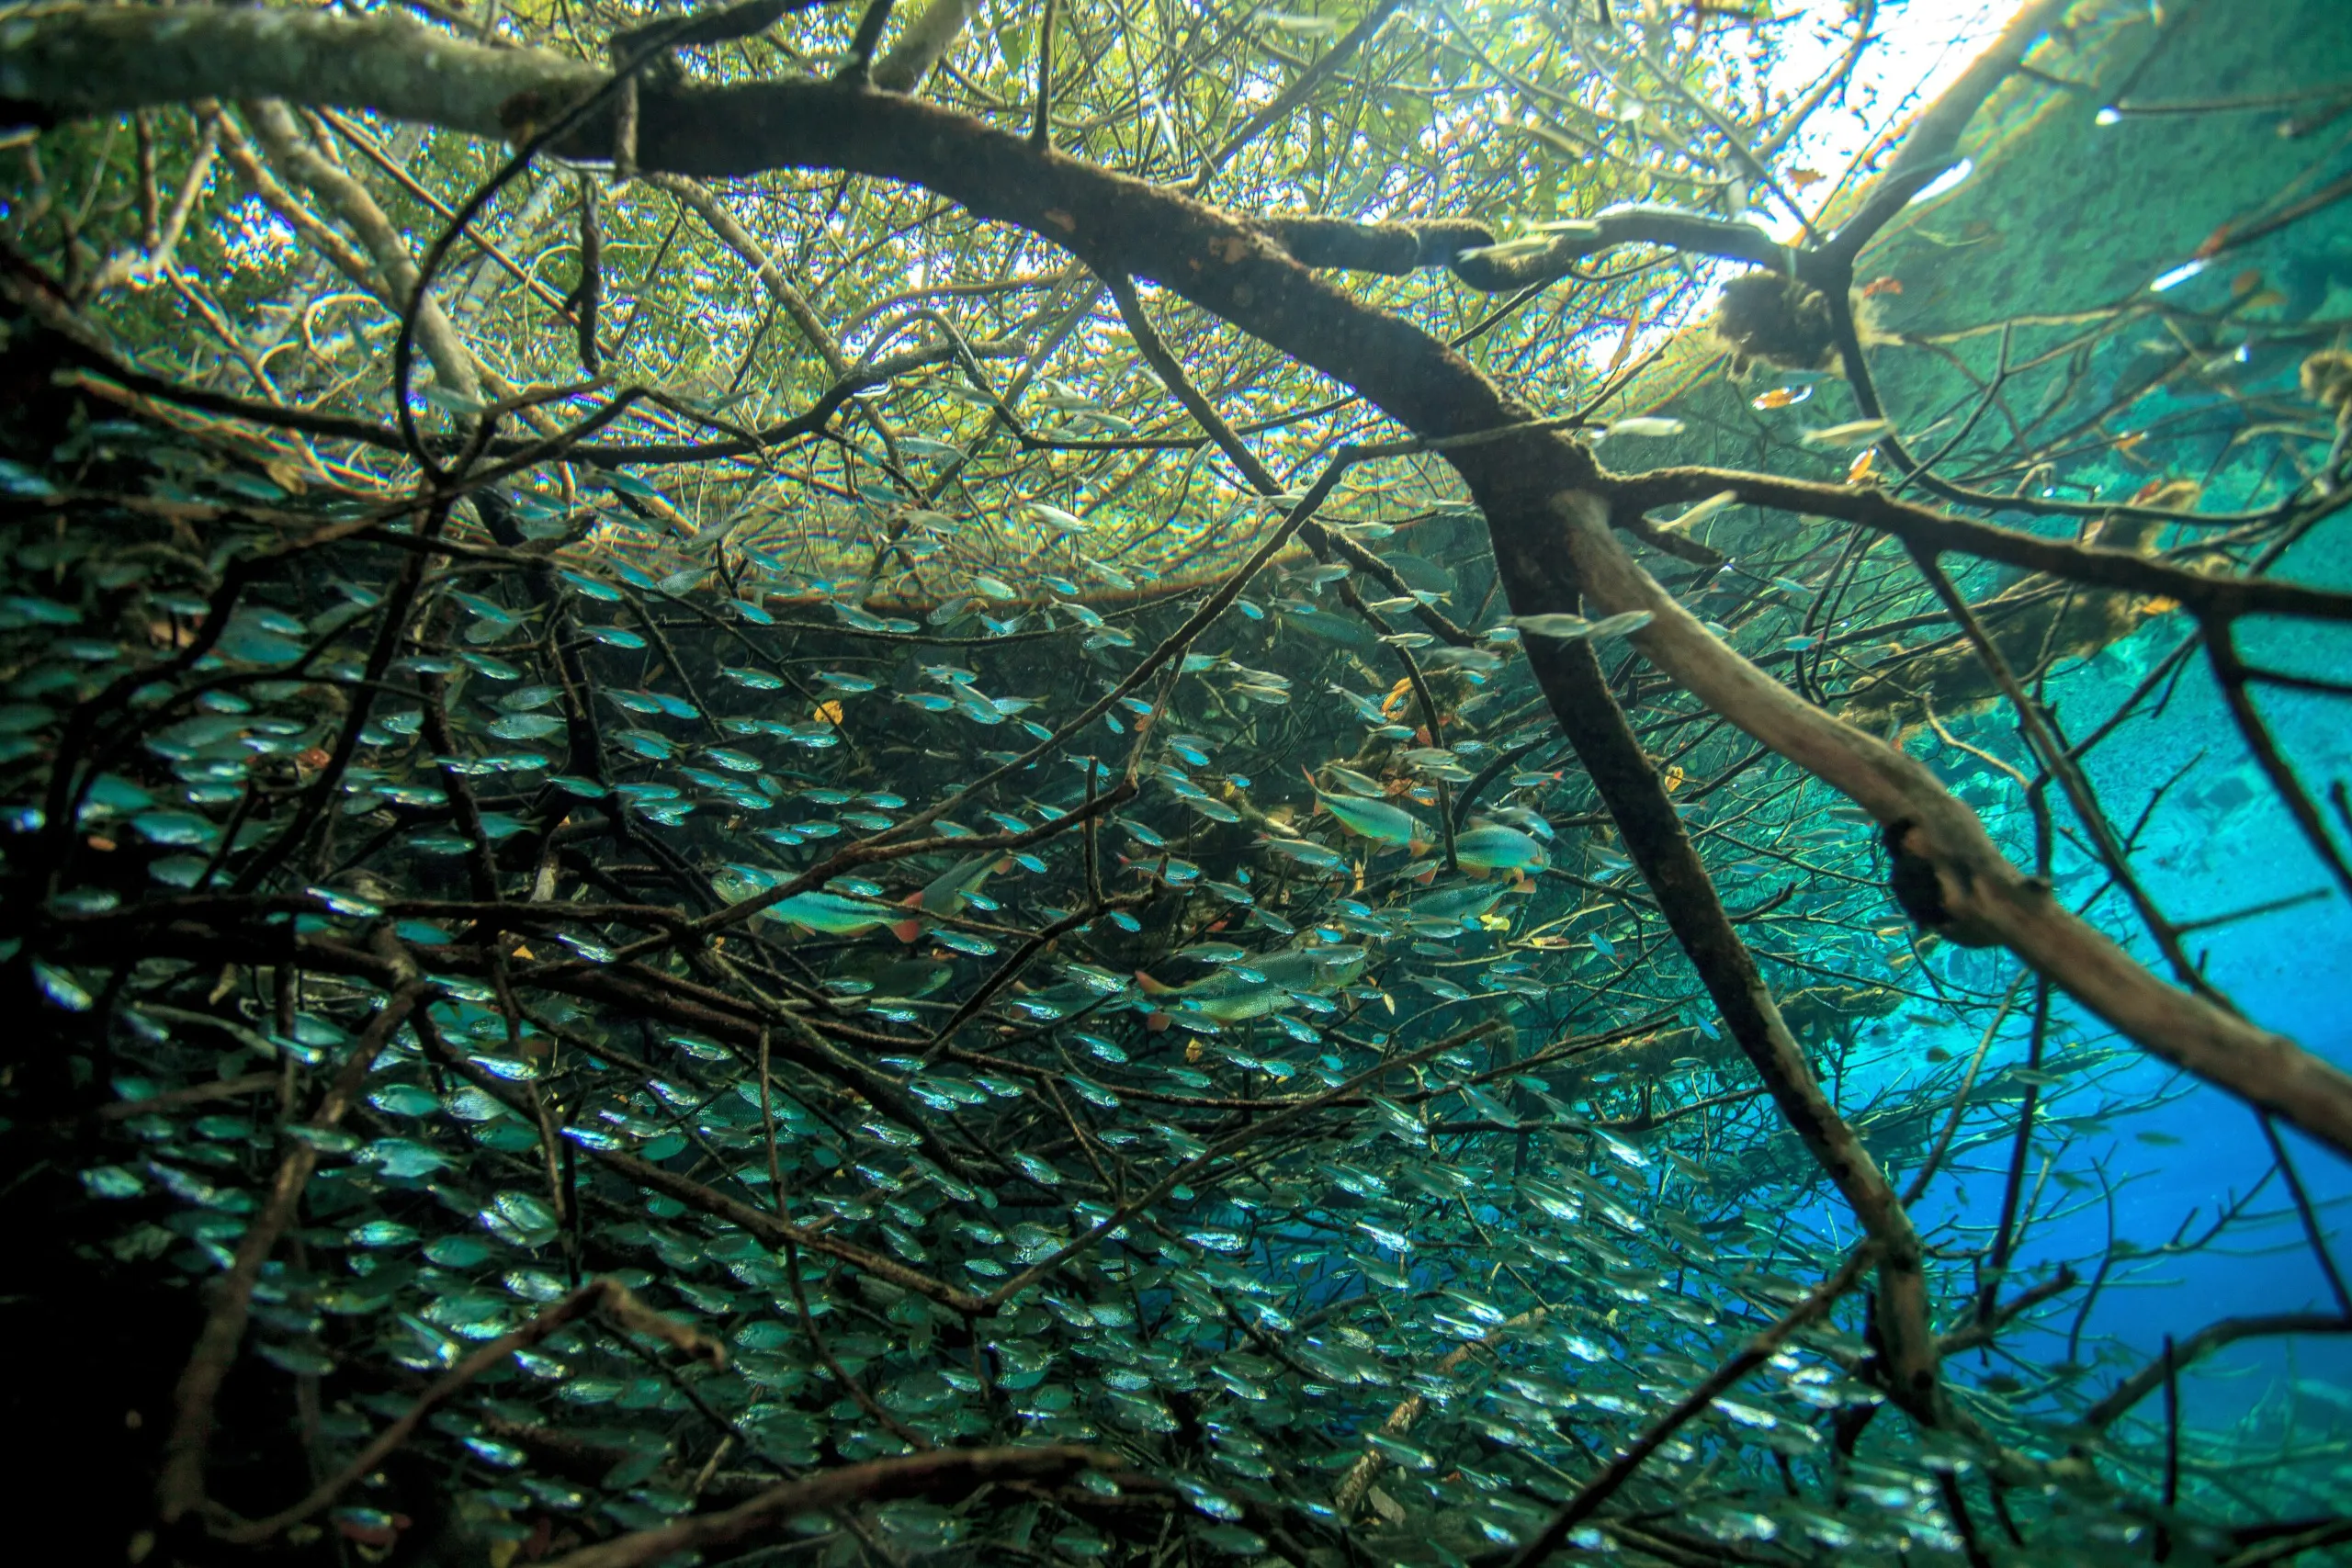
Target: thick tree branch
(1983, 899)
(740, 239)
(2224, 595)
(924, 42)
(103, 60)
(351, 202)
(1670, 862)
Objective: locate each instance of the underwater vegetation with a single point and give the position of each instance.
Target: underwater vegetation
(1115, 784)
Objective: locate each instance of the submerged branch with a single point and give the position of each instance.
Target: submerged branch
(947, 1474)
(1964, 886)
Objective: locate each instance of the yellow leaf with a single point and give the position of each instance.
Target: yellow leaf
(828, 712)
(1673, 775)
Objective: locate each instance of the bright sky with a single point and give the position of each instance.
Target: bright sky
(1923, 44)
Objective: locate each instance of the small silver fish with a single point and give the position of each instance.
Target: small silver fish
(1302, 26)
(1720, 501)
(1068, 522)
(1854, 432)
(1570, 628)
(1650, 425)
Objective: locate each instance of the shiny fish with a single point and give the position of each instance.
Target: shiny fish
(1650, 426)
(1570, 628)
(1854, 432)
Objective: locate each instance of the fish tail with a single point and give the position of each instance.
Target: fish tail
(907, 931)
(1152, 987)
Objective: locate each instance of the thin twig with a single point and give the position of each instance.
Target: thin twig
(1630, 1459)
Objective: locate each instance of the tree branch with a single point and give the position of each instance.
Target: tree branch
(1982, 898)
(947, 1474)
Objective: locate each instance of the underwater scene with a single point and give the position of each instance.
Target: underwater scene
(1419, 783)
